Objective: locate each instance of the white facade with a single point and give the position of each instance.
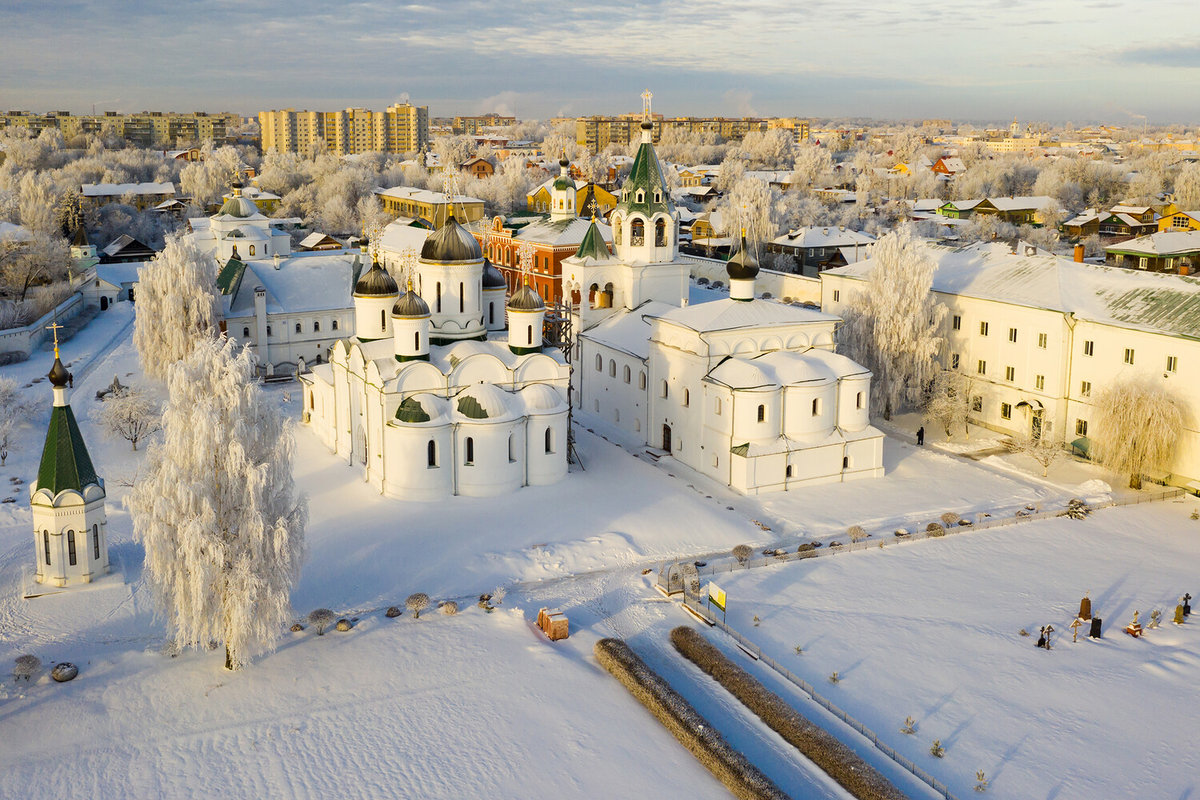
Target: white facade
(1038, 336)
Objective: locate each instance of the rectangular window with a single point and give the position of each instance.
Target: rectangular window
(982, 368)
(1085, 388)
(1081, 427)
(1010, 374)
(1005, 411)
(836, 295)
(1128, 355)
(1012, 334)
(954, 361)
(1088, 347)
(983, 329)
(1040, 382)
(1172, 363)
(956, 322)
(977, 404)
(1042, 340)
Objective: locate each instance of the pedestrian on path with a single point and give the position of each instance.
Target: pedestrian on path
(921, 436)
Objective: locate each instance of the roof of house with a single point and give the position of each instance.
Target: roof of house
(303, 282)
(122, 189)
(124, 244)
(826, 236)
(728, 314)
(560, 233)
(1162, 243)
(315, 238)
(423, 195)
(1148, 301)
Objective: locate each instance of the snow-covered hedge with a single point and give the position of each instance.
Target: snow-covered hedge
(840, 762)
(693, 731)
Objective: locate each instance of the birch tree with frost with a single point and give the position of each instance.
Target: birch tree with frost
(216, 507)
(131, 414)
(948, 402)
(177, 306)
(892, 324)
(15, 410)
(1136, 425)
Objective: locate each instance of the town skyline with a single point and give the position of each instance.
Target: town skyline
(1084, 62)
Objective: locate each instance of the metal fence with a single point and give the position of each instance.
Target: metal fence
(670, 576)
(694, 602)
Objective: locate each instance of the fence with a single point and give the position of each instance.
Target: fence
(696, 604)
(670, 576)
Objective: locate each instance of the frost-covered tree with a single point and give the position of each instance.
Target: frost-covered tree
(34, 261)
(1186, 194)
(813, 167)
(1135, 426)
(15, 411)
(416, 603)
(321, 618)
(208, 179)
(753, 206)
(131, 414)
(177, 306)
(948, 402)
(892, 324)
(1044, 449)
(216, 507)
(742, 553)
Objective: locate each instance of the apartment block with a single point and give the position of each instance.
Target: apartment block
(399, 129)
(145, 129)
(598, 132)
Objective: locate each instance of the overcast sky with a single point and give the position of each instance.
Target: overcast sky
(1054, 60)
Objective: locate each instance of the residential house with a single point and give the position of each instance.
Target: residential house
(1166, 251)
(141, 195)
(478, 167)
(319, 241)
(432, 208)
(948, 166)
(1174, 219)
(816, 249)
(538, 201)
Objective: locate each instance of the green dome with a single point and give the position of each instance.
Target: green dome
(238, 206)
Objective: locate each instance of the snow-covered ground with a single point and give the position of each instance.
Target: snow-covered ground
(932, 630)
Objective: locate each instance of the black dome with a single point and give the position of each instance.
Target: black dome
(58, 374)
(526, 299)
(410, 306)
(375, 282)
(743, 266)
(492, 279)
(451, 242)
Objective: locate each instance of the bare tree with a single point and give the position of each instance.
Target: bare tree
(948, 402)
(321, 618)
(742, 553)
(1137, 424)
(15, 410)
(131, 414)
(416, 603)
(1044, 450)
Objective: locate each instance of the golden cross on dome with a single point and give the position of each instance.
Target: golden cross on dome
(591, 206)
(56, 328)
(646, 95)
(526, 253)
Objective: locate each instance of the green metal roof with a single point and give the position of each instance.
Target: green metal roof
(469, 407)
(411, 411)
(593, 245)
(741, 450)
(230, 278)
(65, 460)
(645, 174)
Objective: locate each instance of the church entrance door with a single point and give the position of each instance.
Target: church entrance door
(666, 439)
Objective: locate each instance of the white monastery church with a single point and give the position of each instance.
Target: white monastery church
(746, 391)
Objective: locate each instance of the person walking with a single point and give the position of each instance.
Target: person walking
(921, 436)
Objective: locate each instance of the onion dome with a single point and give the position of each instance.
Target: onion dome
(743, 266)
(451, 243)
(410, 305)
(238, 206)
(564, 181)
(492, 278)
(526, 299)
(375, 282)
(59, 376)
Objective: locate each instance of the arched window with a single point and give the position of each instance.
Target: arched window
(470, 451)
(529, 335)
(660, 233)
(642, 381)
(845, 462)
(512, 448)
(268, 330)
(335, 325)
(717, 406)
(431, 454)
(616, 415)
(637, 233)
(687, 397)
(316, 326)
(858, 400)
(762, 413)
(549, 440)
(599, 363)
(417, 341)
(664, 388)
(438, 292)
(300, 328)
(312, 400)
(617, 231)
(382, 320)
(462, 298)
(788, 472)
(46, 546)
(96, 542)
(491, 313)
(626, 373)
(251, 249)
(612, 368)
(816, 405)
(245, 333)
(71, 558)
(637, 425)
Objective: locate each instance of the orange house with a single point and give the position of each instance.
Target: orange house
(552, 241)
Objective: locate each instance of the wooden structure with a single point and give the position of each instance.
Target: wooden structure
(553, 623)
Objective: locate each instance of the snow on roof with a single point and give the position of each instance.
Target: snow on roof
(629, 331)
(303, 282)
(826, 236)
(315, 238)
(560, 233)
(122, 189)
(17, 233)
(726, 315)
(1025, 203)
(1123, 209)
(953, 164)
(401, 235)
(423, 195)
(119, 274)
(1148, 301)
(1163, 243)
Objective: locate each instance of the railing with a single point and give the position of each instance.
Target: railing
(693, 602)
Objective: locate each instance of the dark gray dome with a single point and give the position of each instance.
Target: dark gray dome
(743, 266)
(492, 277)
(410, 306)
(526, 299)
(451, 242)
(375, 282)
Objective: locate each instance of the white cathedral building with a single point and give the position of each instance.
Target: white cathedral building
(431, 398)
(747, 391)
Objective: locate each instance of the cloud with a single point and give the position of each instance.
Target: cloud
(739, 100)
(1185, 55)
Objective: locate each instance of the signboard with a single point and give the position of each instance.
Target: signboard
(716, 595)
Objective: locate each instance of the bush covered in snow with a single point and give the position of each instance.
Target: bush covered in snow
(449, 608)
(742, 553)
(416, 603)
(321, 619)
(1077, 509)
(27, 667)
(950, 518)
(393, 612)
(857, 533)
(693, 731)
(498, 594)
(935, 530)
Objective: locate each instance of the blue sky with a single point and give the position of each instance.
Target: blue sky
(1055, 60)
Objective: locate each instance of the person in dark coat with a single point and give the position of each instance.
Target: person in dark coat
(921, 435)
(1041, 642)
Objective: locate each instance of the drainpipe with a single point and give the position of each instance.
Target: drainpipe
(1069, 318)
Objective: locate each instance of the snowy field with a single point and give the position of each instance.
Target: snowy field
(931, 630)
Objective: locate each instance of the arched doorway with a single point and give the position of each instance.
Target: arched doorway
(666, 438)
(360, 445)
(103, 303)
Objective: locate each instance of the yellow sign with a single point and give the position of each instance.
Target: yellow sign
(716, 595)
